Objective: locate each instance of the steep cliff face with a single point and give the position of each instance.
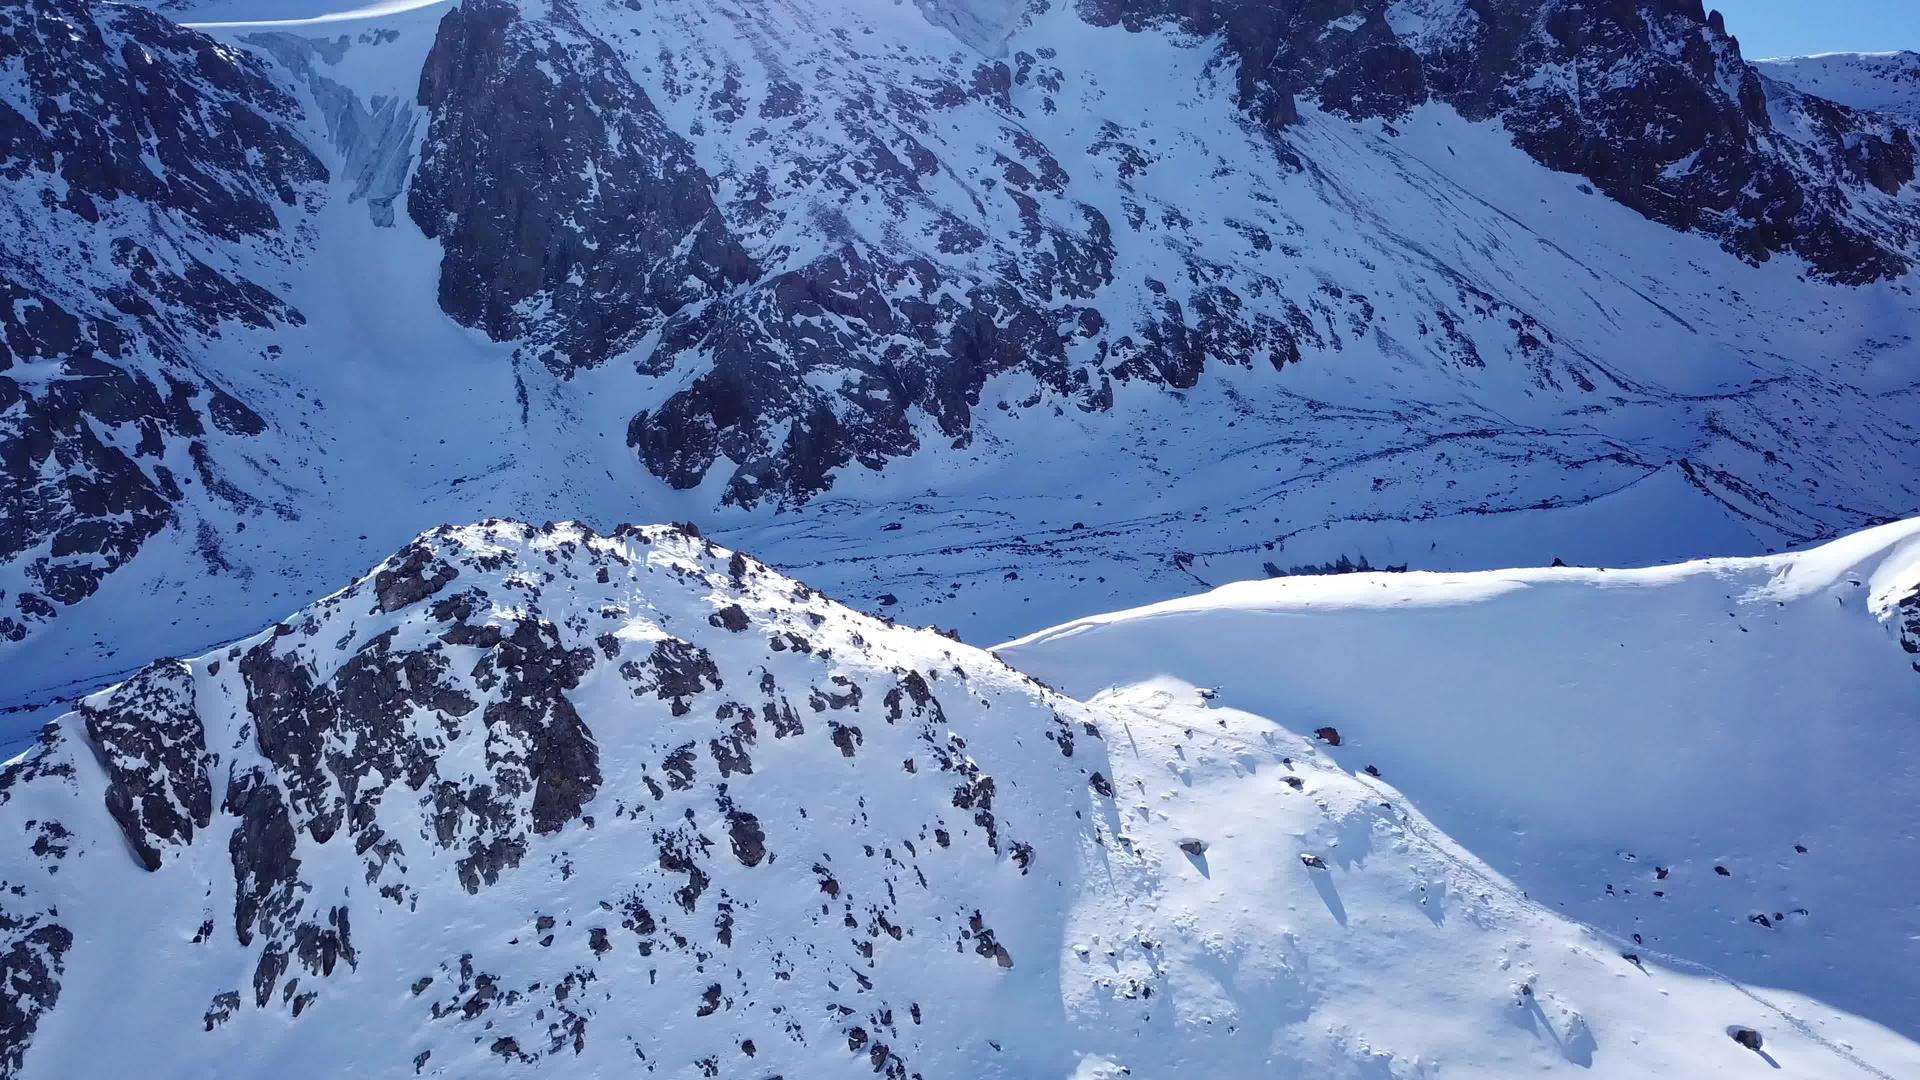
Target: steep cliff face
(1151, 295)
(571, 216)
(1649, 99)
(141, 165)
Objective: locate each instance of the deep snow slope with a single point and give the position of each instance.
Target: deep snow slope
(1711, 765)
(1885, 82)
(534, 798)
(989, 313)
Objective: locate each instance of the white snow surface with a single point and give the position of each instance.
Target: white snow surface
(1737, 410)
(1604, 741)
(1884, 82)
(1553, 746)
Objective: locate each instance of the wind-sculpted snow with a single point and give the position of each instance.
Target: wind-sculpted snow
(1644, 750)
(633, 804)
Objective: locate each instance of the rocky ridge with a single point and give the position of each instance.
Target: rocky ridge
(613, 723)
(1350, 276)
(533, 796)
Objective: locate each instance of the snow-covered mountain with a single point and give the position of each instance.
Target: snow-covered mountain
(534, 798)
(992, 313)
(1881, 82)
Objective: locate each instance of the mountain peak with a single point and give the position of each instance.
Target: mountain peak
(635, 741)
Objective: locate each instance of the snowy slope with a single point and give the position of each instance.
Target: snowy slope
(1884, 82)
(1609, 741)
(1047, 292)
(633, 805)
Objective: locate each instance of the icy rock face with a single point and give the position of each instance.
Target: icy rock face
(947, 246)
(1649, 99)
(571, 216)
(375, 138)
(629, 728)
(133, 155)
(984, 24)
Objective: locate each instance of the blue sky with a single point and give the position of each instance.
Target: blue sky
(1794, 27)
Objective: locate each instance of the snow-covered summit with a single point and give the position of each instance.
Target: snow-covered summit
(1883, 82)
(631, 803)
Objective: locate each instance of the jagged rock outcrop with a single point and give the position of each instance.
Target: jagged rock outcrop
(546, 729)
(1651, 100)
(153, 746)
(132, 152)
(572, 217)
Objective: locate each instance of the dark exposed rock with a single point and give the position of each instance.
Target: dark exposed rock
(222, 1008)
(682, 670)
(265, 868)
(1906, 619)
(145, 147)
(416, 576)
(1651, 101)
(553, 184)
(785, 436)
(749, 842)
(30, 970)
(732, 617)
(149, 738)
(985, 943)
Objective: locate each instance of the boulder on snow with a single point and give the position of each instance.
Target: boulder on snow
(1746, 1037)
(1312, 861)
(1328, 735)
(1193, 847)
